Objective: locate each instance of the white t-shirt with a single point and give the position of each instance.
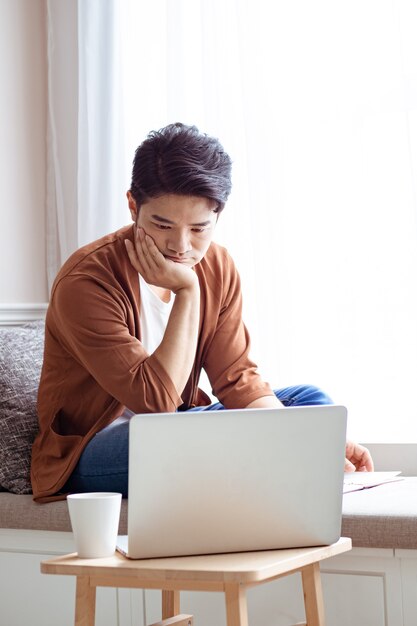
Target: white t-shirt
(154, 315)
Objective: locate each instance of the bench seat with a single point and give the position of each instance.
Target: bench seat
(383, 516)
(21, 512)
(380, 517)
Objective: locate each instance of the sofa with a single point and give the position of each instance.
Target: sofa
(21, 353)
(365, 517)
(381, 522)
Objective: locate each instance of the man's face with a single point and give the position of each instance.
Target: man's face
(182, 227)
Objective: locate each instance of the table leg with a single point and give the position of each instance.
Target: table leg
(236, 605)
(170, 603)
(313, 595)
(85, 602)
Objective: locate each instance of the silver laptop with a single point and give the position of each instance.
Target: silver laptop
(235, 480)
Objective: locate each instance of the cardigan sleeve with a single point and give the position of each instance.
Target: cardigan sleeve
(91, 318)
(232, 373)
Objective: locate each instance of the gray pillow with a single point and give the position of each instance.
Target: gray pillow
(21, 354)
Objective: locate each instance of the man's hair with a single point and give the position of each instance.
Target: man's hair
(179, 159)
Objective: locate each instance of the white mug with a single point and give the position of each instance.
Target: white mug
(95, 522)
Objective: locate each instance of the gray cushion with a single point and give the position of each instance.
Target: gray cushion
(22, 512)
(383, 516)
(21, 354)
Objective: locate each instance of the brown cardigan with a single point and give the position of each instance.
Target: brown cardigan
(95, 365)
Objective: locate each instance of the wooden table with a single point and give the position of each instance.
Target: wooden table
(231, 573)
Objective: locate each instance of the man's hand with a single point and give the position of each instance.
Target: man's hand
(358, 458)
(155, 269)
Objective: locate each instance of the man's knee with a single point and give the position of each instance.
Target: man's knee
(303, 395)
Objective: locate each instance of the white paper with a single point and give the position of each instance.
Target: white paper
(355, 481)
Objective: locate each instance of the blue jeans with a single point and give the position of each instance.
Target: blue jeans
(103, 465)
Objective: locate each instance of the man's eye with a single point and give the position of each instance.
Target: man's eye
(162, 226)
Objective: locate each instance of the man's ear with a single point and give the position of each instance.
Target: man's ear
(132, 206)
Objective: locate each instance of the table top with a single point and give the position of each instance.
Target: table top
(244, 567)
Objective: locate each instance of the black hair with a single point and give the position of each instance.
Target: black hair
(179, 159)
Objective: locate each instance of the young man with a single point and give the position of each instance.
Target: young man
(135, 316)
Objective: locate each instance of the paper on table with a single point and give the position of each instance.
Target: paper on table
(355, 481)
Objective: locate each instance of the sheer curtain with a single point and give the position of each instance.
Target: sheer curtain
(317, 105)
(85, 142)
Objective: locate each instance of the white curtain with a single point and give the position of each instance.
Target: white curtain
(85, 127)
(317, 105)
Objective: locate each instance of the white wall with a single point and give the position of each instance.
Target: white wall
(23, 74)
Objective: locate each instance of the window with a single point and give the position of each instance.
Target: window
(317, 105)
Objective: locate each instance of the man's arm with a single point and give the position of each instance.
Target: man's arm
(176, 353)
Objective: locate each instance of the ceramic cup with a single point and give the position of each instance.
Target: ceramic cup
(95, 522)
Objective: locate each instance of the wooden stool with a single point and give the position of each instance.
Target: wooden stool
(231, 573)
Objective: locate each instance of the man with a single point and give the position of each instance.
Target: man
(135, 316)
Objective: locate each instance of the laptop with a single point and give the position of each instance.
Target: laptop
(234, 480)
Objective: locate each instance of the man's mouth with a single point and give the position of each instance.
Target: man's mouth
(176, 259)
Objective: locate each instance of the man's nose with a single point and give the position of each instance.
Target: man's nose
(180, 242)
